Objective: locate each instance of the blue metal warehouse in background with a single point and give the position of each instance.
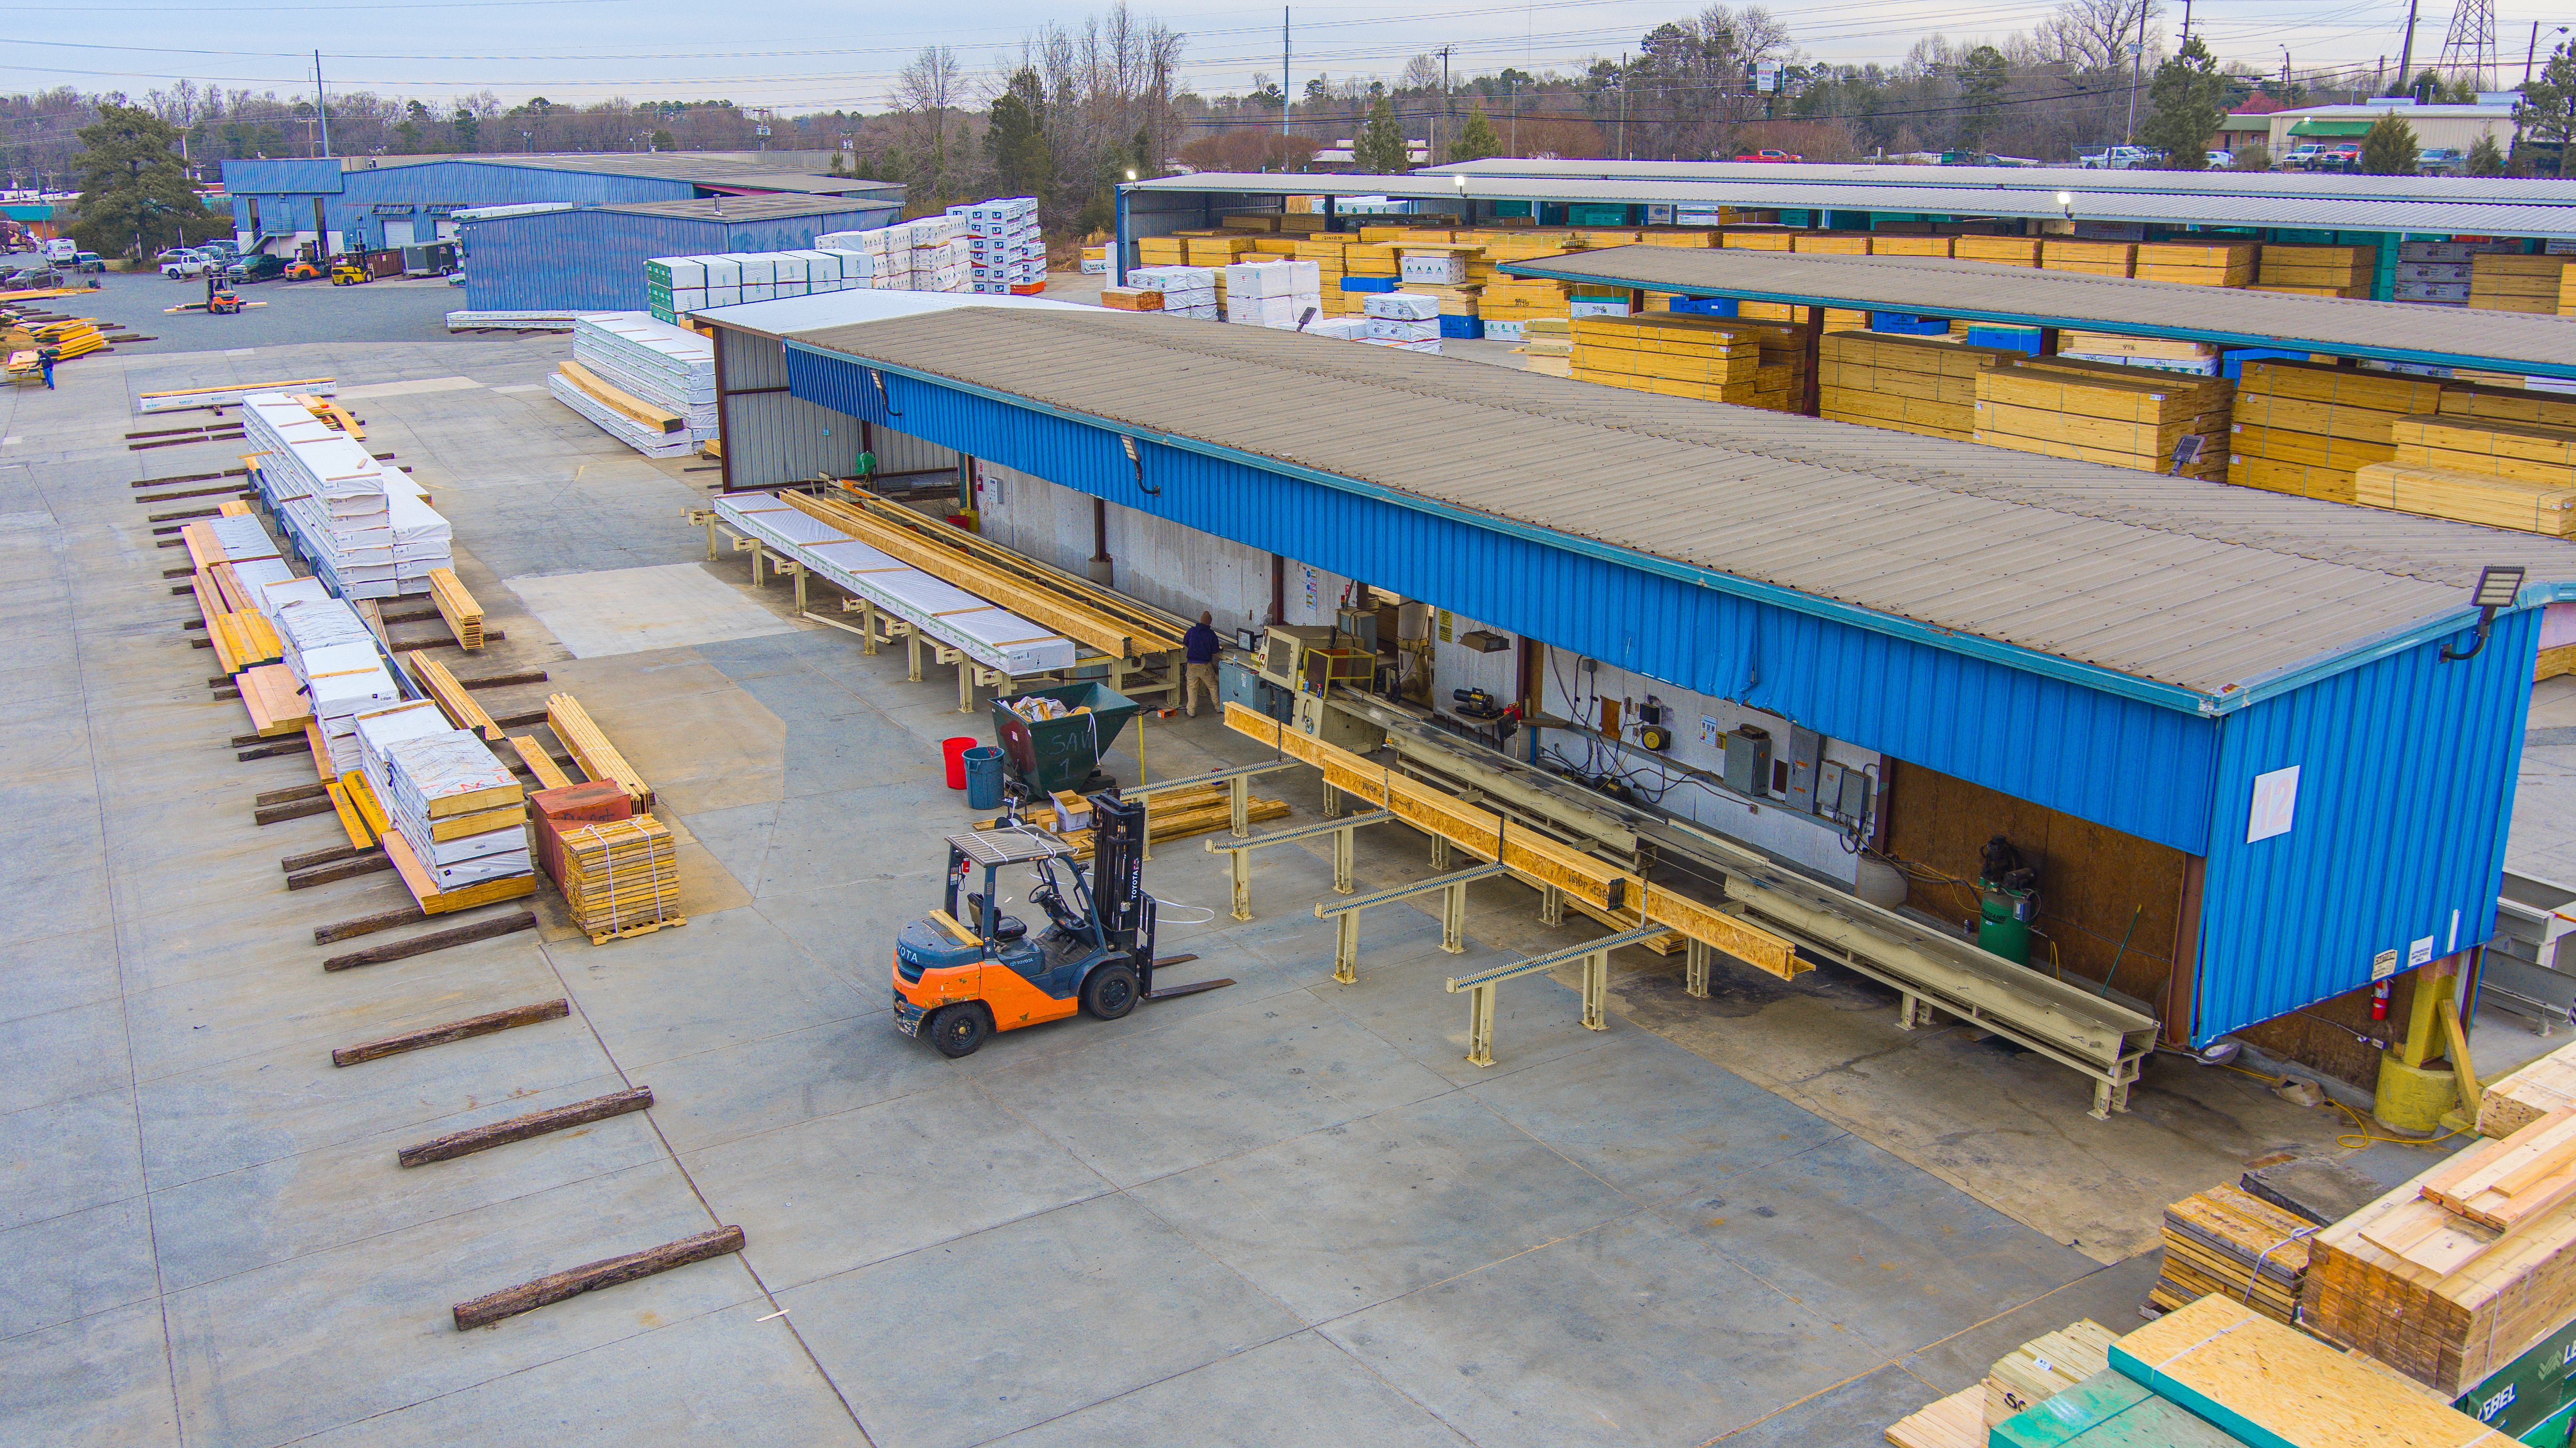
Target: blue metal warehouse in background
(591, 258)
(2146, 654)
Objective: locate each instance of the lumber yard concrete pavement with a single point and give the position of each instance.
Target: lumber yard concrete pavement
(1284, 1213)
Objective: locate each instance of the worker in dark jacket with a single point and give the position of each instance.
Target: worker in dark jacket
(45, 359)
(1200, 642)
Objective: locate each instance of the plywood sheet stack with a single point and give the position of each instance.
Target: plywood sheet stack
(2516, 282)
(2233, 1243)
(2105, 413)
(2044, 1367)
(2306, 428)
(621, 876)
(2261, 1382)
(1997, 250)
(2093, 258)
(2216, 264)
(2452, 1275)
(2518, 1100)
(2503, 474)
(2334, 271)
(1910, 384)
(1668, 354)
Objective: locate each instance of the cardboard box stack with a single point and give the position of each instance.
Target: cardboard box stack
(1187, 291)
(2518, 475)
(2517, 282)
(1669, 354)
(2093, 258)
(459, 812)
(2320, 271)
(2307, 428)
(1910, 384)
(1403, 319)
(1004, 254)
(1276, 293)
(2223, 264)
(2104, 413)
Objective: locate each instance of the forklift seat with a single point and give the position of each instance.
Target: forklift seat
(1006, 928)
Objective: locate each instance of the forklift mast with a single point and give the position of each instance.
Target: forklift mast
(1125, 911)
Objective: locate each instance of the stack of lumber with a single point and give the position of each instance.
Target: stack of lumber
(1910, 384)
(1765, 239)
(1887, 245)
(462, 818)
(2092, 413)
(2508, 404)
(2306, 428)
(2567, 292)
(379, 732)
(1549, 346)
(1173, 816)
(2044, 1367)
(2108, 1410)
(2233, 1243)
(1523, 299)
(228, 595)
(2452, 1275)
(275, 706)
(621, 877)
(2503, 474)
(1331, 256)
(646, 383)
(1672, 355)
(2518, 1100)
(2501, 281)
(1957, 1421)
(2093, 258)
(2265, 1383)
(2326, 271)
(367, 528)
(464, 616)
(333, 657)
(2158, 353)
(1830, 243)
(2227, 264)
(591, 750)
(1998, 250)
(1203, 250)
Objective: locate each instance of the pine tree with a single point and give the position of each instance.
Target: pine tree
(2548, 111)
(1476, 140)
(1380, 149)
(2486, 158)
(1016, 140)
(135, 194)
(2190, 97)
(2388, 147)
(1982, 77)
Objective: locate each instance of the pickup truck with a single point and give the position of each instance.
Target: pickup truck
(2298, 158)
(2119, 158)
(186, 265)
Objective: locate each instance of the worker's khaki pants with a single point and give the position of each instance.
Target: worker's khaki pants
(1202, 680)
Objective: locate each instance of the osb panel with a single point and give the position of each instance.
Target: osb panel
(2092, 880)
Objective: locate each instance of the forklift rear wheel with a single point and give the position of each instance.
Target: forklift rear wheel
(957, 1030)
(1109, 992)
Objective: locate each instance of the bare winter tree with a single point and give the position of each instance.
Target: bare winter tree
(925, 91)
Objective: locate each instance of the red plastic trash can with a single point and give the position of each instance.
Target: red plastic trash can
(954, 751)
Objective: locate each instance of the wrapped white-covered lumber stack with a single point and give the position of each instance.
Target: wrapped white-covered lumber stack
(335, 663)
(1276, 293)
(648, 384)
(367, 529)
(1188, 291)
(384, 728)
(1410, 320)
(462, 815)
(1003, 248)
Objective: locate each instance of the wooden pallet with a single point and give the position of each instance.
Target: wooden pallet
(591, 750)
(464, 616)
(605, 936)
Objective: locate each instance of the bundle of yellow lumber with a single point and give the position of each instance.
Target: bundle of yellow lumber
(1250, 221)
(2221, 264)
(617, 399)
(1957, 1421)
(2455, 1273)
(1676, 355)
(1519, 299)
(1273, 245)
(2233, 1243)
(1831, 243)
(2103, 412)
(1173, 816)
(2509, 404)
(2504, 474)
(1911, 384)
(1214, 250)
(2503, 281)
(2094, 258)
(2044, 1367)
(2567, 292)
(1884, 244)
(1162, 251)
(1999, 250)
(2306, 428)
(2112, 344)
(1547, 346)
(2345, 271)
(277, 707)
(2514, 1102)
(1297, 219)
(1767, 239)
(619, 875)
(69, 338)
(1682, 236)
(591, 750)
(2261, 1382)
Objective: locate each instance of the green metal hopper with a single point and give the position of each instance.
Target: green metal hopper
(1047, 755)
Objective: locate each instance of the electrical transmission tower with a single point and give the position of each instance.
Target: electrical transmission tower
(2469, 51)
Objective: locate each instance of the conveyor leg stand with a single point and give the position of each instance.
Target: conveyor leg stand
(868, 625)
(1439, 853)
(1911, 1011)
(1332, 803)
(912, 653)
(1695, 971)
(1453, 919)
(1343, 842)
(965, 687)
(1240, 787)
(1242, 868)
(1596, 990)
(1551, 904)
(798, 570)
(1480, 1026)
(711, 537)
(1346, 949)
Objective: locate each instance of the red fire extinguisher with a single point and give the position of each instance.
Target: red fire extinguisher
(2379, 1000)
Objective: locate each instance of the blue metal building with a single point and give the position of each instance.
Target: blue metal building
(360, 203)
(592, 258)
(2153, 655)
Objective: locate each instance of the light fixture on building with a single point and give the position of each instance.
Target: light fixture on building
(1136, 460)
(2499, 586)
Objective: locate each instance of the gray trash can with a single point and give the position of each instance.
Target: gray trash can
(983, 777)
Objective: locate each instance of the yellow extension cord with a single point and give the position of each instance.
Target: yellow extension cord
(2361, 1136)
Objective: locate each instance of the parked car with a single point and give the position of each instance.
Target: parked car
(255, 269)
(2119, 158)
(37, 275)
(2344, 157)
(2298, 158)
(88, 261)
(2218, 160)
(187, 266)
(1767, 154)
(2439, 160)
(61, 248)
(172, 253)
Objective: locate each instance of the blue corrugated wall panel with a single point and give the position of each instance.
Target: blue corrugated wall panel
(2406, 777)
(284, 175)
(2040, 739)
(286, 195)
(594, 260)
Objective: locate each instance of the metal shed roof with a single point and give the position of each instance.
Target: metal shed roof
(1982, 291)
(2225, 592)
(752, 208)
(2309, 185)
(1933, 192)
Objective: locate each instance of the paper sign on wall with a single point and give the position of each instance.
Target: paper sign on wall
(1707, 730)
(2420, 953)
(2276, 799)
(2383, 965)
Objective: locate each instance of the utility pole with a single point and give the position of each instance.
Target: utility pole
(321, 107)
(2406, 52)
(2186, 23)
(2531, 53)
(1432, 158)
(1287, 97)
(2137, 72)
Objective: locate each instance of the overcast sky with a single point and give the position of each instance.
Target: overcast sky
(821, 57)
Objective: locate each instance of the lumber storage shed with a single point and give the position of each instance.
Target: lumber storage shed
(2252, 685)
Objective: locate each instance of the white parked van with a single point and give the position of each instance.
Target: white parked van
(61, 249)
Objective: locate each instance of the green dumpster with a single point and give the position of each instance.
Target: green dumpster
(1043, 756)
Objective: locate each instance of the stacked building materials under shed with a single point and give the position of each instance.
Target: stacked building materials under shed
(1279, 293)
(2317, 271)
(2515, 475)
(2105, 413)
(1671, 354)
(2517, 281)
(2092, 258)
(1184, 291)
(2307, 429)
(1909, 384)
(2020, 251)
(2212, 264)
(460, 814)
(339, 502)
(647, 383)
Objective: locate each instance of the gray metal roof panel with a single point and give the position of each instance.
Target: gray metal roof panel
(2189, 583)
(2298, 185)
(1932, 286)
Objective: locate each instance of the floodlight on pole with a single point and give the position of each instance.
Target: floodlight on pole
(2499, 586)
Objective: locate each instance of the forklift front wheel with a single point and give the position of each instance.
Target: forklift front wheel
(957, 1030)
(1109, 992)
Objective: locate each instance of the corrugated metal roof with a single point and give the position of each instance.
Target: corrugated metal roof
(2197, 585)
(1981, 291)
(2299, 185)
(1932, 194)
(672, 165)
(747, 208)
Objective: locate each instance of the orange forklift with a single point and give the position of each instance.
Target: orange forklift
(959, 976)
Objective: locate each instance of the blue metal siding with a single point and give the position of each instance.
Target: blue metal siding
(2041, 739)
(2406, 779)
(280, 177)
(594, 260)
